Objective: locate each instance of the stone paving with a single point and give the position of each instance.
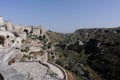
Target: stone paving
(33, 71)
(25, 71)
(10, 73)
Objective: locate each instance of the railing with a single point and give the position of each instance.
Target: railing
(45, 64)
(62, 69)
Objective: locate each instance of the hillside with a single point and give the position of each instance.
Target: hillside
(97, 48)
(55, 37)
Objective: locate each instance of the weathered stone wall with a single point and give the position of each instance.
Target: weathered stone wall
(1, 20)
(6, 56)
(9, 25)
(9, 73)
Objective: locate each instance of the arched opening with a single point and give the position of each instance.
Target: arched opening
(44, 37)
(1, 77)
(40, 37)
(8, 36)
(2, 39)
(25, 30)
(40, 31)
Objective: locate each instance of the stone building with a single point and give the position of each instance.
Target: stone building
(27, 29)
(1, 20)
(2, 25)
(22, 35)
(40, 31)
(8, 38)
(18, 27)
(9, 25)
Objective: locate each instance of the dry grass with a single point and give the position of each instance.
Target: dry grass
(93, 74)
(37, 53)
(70, 76)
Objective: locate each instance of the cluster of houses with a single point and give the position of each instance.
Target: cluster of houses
(10, 31)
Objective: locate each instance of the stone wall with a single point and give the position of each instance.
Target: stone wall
(1, 20)
(40, 31)
(9, 25)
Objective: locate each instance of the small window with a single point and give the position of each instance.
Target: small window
(8, 36)
(40, 31)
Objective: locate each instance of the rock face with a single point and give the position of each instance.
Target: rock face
(55, 37)
(25, 71)
(31, 70)
(102, 44)
(9, 73)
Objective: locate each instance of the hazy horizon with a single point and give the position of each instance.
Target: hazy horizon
(63, 15)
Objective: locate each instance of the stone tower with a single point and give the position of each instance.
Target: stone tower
(1, 20)
(9, 25)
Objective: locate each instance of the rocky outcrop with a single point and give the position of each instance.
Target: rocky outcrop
(9, 73)
(102, 45)
(31, 70)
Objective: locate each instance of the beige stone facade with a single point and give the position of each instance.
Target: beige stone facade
(40, 31)
(9, 25)
(1, 20)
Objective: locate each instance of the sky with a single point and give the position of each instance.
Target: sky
(62, 15)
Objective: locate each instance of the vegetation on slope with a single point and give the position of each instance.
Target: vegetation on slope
(100, 52)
